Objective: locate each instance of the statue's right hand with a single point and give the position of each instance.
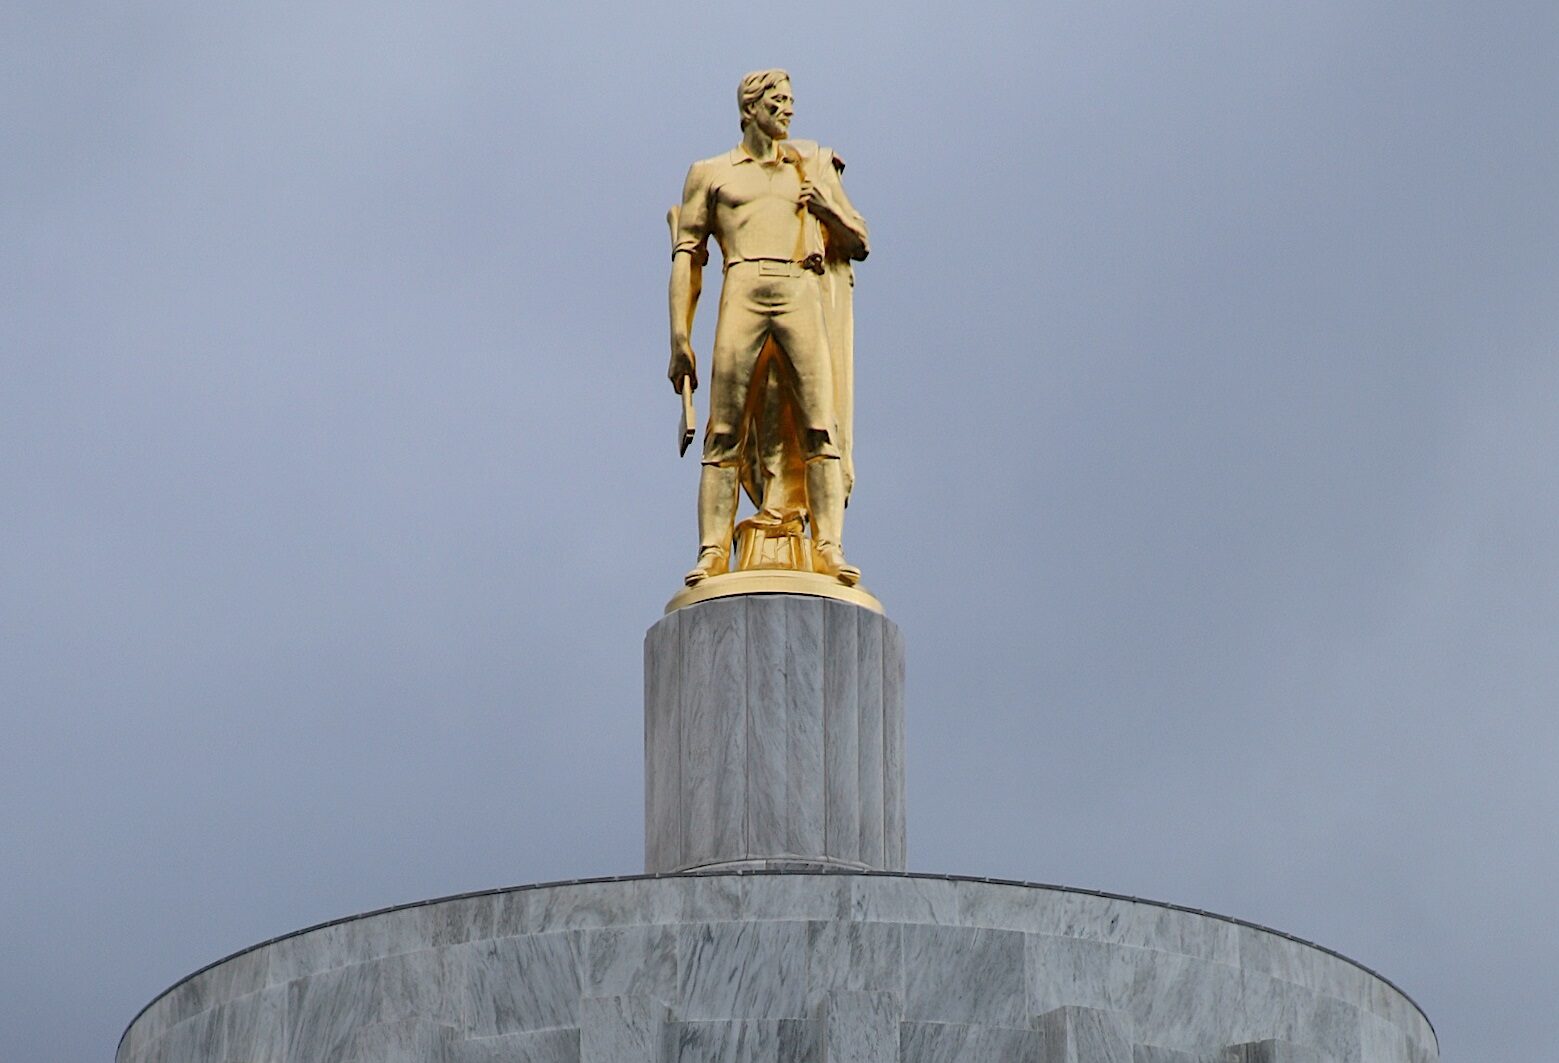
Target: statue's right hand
(683, 364)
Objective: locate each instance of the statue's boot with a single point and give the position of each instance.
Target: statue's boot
(717, 488)
(711, 562)
(825, 498)
(829, 560)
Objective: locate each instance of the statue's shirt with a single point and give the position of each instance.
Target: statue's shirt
(753, 209)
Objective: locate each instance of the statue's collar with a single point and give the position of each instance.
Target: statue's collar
(739, 155)
(788, 151)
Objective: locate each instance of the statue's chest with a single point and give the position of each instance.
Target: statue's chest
(758, 185)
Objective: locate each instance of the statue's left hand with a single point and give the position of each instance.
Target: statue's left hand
(815, 198)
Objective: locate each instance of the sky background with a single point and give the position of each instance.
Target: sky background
(1207, 377)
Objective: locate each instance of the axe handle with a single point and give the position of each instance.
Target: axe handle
(689, 428)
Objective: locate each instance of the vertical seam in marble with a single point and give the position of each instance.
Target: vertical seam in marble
(746, 717)
(882, 736)
(649, 754)
(781, 795)
(863, 729)
(680, 850)
(823, 693)
(679, 841)
(684, 805)
(855, 804)
(662, 752)
(286, 1018)
(862, 828)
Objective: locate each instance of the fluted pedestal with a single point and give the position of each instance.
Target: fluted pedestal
(774, 736)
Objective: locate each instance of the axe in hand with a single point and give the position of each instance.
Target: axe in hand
(685, 428)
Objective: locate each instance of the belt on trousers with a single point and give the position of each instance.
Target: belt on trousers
(774, 267)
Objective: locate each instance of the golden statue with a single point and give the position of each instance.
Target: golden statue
(781, 383)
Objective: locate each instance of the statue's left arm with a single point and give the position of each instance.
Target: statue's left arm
(824, 196)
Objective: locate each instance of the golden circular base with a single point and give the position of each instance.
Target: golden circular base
(773, 581)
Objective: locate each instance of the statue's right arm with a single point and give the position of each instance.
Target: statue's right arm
(685, 277)
(688, 255)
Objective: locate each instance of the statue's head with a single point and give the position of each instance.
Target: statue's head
(764, 97)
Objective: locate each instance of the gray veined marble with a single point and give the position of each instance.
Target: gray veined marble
(512, 985)
(1159, 1054)
(1079, 972)
(746, 1041)
(905, 899)
(713, 898)
(1276, 1052)
(852, 956)
(254, 1025)
(894, 811)
(427, 985)
(943, 1042)
(1084, 1035)
(870, 739)
(325, 1011)
(860, 1026)
(540, 1046)
(713, 710)
(795, 897)
(630, 961)
(625, 1029)
(774, 736)
(804, 669)
(663, 841)
(784, 966)
(195, 1038)
(1185, 998)
(842, 665)
(747, 970)
(963, 975)
(767, 709)
(404, 1041)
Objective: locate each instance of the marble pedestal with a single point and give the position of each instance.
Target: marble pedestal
(783, 967)
(773, 736)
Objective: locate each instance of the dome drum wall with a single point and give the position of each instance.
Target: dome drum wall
(783, 967)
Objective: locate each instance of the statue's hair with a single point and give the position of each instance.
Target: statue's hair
(752, 88)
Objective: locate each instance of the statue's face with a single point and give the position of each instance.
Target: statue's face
(773, 111)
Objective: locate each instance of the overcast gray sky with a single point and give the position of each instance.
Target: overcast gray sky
(1207, 387)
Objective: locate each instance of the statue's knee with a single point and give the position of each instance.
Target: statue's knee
(720, 448)
(818, 443)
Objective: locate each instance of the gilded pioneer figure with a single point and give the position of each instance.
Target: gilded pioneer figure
(781, 388)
